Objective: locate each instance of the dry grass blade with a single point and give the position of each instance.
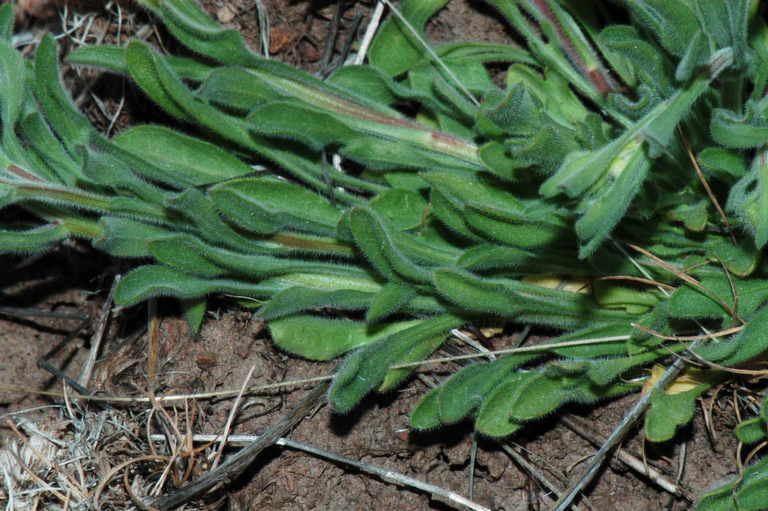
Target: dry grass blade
(639, 466)
(233, 466)
(683, 338)
(98, 336)
(688, 279)
(387, 475)
(640, 280)
(705, 184)
(152, 332)
(231, 418)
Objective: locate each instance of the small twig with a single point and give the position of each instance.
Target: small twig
(231, 418)
(378, 11)
(642, 404)
(527, 349)
(681, 462)
(235, 465)
(152, 328)
(472, 462)
(617, 435)
(22, 312)
(533, 471)
(98, 335)
(631, 461)
(45, 365)
(330, 41)
(640, 280)
(705, 184)
(687, 278)
(681, 338)
(467, 339)
(262, 15)
(387, 475)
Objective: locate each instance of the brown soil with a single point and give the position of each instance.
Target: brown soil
(75, 279)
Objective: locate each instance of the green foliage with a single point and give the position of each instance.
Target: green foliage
(483, 201)
(668, 411)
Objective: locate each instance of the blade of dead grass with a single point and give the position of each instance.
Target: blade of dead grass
(390, 476)
(235, 465)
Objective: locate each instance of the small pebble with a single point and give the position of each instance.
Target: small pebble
(225, 14)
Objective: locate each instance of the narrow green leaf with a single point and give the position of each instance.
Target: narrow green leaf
(194, 312)
(180, 251)
(39, 138)
(6, 22)
(155, 280)
(748, 198)
(375, 240)
(463, 392)
(192, 160)
(202, 212)
(113, 59)
(747, 344)
(267, 205)
(493, 417)
(13, 82)
(319, 338)
(721, 161)
(33, 240)
(736, 131)
(368, 368)
(71, 125)
(672, 23)
(524, 302)
(625, 176)
(690, 302)
(392, 297)
(426, 414)
(192, 27)
(113, 173)
(144, 71)
(124, 237)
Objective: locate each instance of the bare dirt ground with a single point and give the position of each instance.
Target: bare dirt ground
(84, 447)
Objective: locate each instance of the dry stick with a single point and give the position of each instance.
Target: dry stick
(235, 465)
(387, 475)
(705, 184)
(642, 404)
(152, 328)
(690, 280)
(378, 11)
(262, 16)
(531, 469)
(98, 335)
(22, 312)
(617, 435)
(231, 418)
(630, 460)
(330, 40)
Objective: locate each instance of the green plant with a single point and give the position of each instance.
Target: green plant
(619, 123)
